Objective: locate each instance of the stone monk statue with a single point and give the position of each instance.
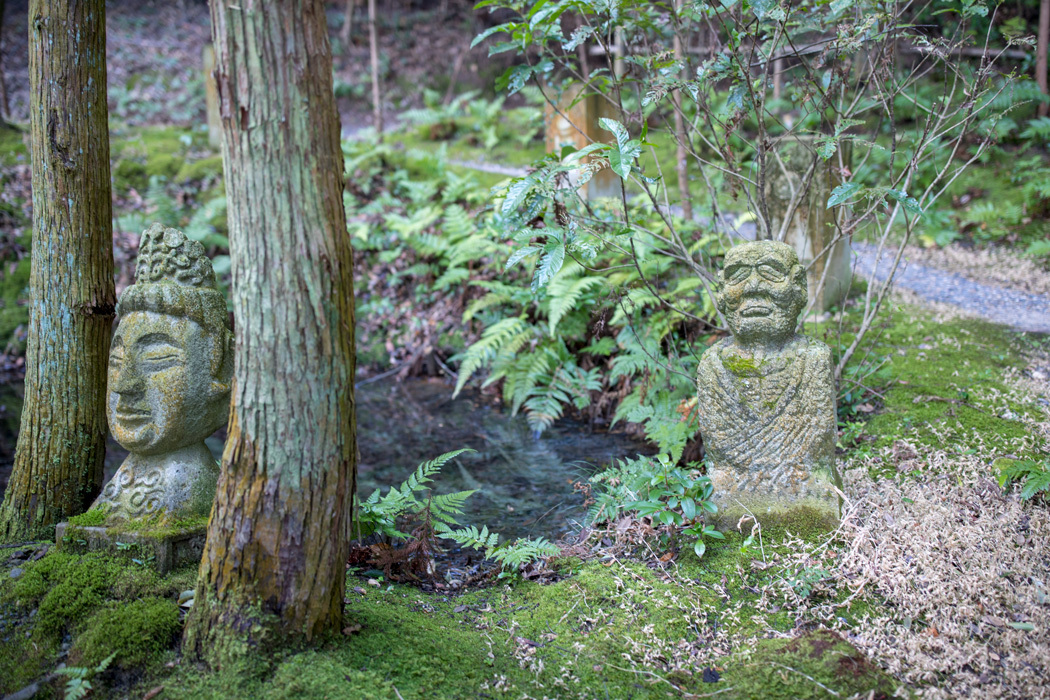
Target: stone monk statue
(170, 369)
(766, 396)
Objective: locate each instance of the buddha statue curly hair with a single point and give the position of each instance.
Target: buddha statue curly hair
(174, 276)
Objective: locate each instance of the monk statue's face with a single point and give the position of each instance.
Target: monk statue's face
(763, 290)
(163, 394)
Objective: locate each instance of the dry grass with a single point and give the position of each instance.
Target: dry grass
(955, 569)
(960, 569)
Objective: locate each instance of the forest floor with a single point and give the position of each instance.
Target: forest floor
(934, 584)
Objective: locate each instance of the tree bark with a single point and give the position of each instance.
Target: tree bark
(1041, 48)
(62, 437)
(273, 567)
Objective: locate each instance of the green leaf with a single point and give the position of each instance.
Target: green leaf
(517, 192)
(521, 254)
(699, 548)
(909, 203)
(842, 193)
(550, 263)
(505, 27)
(826, 146)
(1023, 626)
(618, 130)
(689, 508)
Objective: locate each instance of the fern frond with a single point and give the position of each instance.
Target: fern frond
(524, 551)
(471, 537)
(492, 339)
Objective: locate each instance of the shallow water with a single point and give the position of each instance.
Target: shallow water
(524, 482)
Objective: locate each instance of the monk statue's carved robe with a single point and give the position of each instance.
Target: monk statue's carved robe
(765, 397)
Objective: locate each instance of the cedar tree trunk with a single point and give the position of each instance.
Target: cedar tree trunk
(273, 568)
(62, 438)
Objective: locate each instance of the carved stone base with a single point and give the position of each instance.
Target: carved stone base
(805, 503)
(164, 550)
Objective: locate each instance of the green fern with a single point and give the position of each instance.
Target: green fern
(380, 513)
(510, 555)
(495, 337)
(523, 551)
(79, 684)
(471, 537)
(1034, 475)
(565, 291)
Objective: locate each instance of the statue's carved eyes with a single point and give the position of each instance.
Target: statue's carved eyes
(770, 272)
(161, 358)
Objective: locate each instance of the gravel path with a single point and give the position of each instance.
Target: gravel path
(1024, 312)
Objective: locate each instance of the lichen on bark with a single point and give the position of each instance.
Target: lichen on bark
(274, 563)
(62, 436)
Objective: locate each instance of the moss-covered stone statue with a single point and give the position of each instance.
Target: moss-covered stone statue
(170, 368)
(766, 396)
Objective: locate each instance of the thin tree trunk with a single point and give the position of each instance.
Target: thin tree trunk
(347, 32)
(5, 110)
(681, 155)
(62, 437)
(1041, 47)
(373, 49)
(274, 563)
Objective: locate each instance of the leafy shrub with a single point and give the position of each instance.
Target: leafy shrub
(674, 498)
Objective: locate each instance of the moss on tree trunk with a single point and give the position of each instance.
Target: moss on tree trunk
(273, 568)
(62, 437)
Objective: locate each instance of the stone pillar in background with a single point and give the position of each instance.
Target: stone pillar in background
(578, 126)
(812, 225)
(766, 397)
(211, 98)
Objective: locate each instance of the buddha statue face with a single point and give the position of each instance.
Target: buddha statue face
(762, 290)
(170, 370)
(166, 385)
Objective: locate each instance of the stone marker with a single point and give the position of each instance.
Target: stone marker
(170, 369)
(812, 225)
(575, 123)
(766, 396)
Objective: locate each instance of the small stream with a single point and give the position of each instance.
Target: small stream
(524, 483)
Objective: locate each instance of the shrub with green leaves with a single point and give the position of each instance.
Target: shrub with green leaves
(675, 498)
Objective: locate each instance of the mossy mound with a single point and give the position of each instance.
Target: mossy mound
(13, 147)
(942, 383)
(815, 665)
(138, 633)
(100, 604)
(173, 153)
(66, 588)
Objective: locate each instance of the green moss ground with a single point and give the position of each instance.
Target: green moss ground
(567, 639)
(99, 604)
(943, 382)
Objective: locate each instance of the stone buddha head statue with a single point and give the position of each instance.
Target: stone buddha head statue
(761, 292)
(170, 369)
